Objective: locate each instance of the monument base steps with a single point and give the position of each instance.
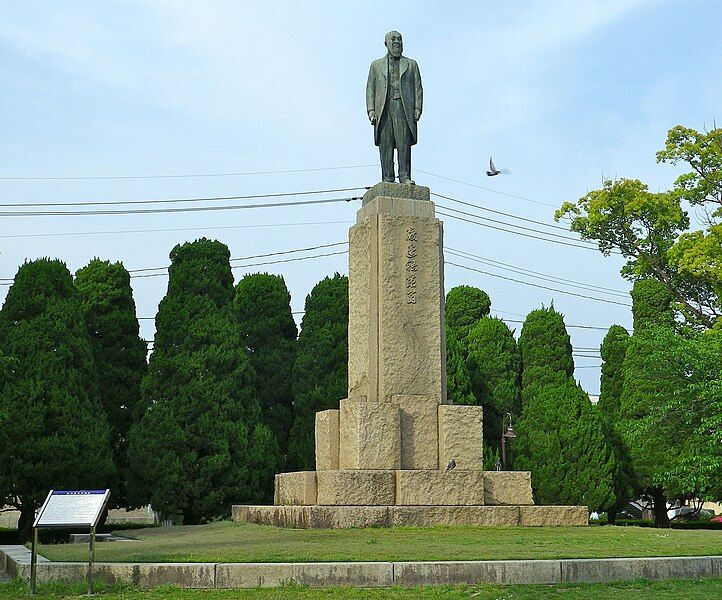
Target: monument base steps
(343, 517)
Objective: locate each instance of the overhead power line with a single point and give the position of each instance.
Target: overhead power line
(184, 176)
(499, 212)
(520, 233)
(180, 200)
(487, 189)
(536, 274)
(136, 211)
(538, 286)
(167, 229)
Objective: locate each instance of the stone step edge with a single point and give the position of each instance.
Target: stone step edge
(15, 561)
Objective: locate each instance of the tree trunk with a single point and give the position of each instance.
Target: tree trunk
(612, 516)
(661, 519)
(25, 524)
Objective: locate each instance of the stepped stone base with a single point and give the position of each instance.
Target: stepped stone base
(342, 517)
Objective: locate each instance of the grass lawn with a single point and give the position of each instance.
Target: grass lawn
(230, 542)
(689, 590)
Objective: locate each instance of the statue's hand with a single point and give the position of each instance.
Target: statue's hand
(417, 114)
(372, 117)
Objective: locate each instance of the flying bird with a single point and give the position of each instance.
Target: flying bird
(494, 171)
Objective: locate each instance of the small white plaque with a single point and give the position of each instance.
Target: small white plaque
(72, 508)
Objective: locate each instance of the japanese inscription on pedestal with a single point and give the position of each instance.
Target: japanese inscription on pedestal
(411, 265)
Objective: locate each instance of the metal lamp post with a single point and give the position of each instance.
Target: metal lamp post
(508, 434)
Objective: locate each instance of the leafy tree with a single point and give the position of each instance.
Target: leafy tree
(118, 353)
(54, 431)
(494, 363)
(263, 306)
(545, 347)
(669, 412)
(320, 374)
(561, 440)
(458, 381)
(200, 445)
(650, 229)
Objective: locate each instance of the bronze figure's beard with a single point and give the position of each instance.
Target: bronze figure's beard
(396, 51)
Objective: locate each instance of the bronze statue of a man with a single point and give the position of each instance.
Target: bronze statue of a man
(394, 99)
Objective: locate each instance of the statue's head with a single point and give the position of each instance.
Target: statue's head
(394, 44)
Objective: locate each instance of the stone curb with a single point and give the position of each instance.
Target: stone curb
(15, 562)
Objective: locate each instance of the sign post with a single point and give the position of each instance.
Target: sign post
(69, 508)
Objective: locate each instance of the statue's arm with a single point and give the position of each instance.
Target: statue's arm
(371, 92)
(418, 92)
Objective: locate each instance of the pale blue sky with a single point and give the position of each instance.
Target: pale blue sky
(561, 93)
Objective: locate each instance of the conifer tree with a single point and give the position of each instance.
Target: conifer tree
(561, 440)
(613, 350)
(465, 305)
(545, 347)
(320, 374)
(119, 354)
(267, 329)
(55, 432)
(458, 381)
(650, 378)
(495, 367)
(200, 445)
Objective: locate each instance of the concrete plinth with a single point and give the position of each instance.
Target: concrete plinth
(341, 517)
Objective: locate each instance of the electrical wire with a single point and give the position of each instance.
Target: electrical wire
(537, 274)
(184, 176)
(137, 211)
(537, 285)
(179, 200)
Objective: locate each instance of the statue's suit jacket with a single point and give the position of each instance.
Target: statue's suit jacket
(412, 94)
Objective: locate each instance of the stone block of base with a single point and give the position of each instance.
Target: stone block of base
(356, 488)
(327, 437)
(298, 488)
(312, 517)
(427, 516)
(440, 488)
(508, 487)
(419, 431)
(369, 435)
(460, 436)
(550, 516)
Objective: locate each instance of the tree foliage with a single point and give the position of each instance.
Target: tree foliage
(320, 374)
(458, 381)
(465, 305)
(651, 305)
(651, 229)
(561, 440)
(612, 350)
(545, 346)
(263, 306)
(118, 353)
(494, 364)
(54, 431)
(200, 445)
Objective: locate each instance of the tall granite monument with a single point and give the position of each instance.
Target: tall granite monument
(396, 452)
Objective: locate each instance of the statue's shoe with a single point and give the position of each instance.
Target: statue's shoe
(408, 182)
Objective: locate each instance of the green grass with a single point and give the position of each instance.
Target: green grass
(636, 590)
(231, 542)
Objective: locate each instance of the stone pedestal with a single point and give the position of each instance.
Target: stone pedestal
(395, 453)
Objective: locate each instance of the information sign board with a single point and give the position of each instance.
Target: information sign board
(72, 508)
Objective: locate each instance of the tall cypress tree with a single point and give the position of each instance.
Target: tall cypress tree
(200, 445)
(651, 305)
(494, 364)
(561, 440)
(613, 351)
(320, 374)
(267, 329)
(118, 353)
(465, 305)
(55, 432)
(458, 381)
(546, 349)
